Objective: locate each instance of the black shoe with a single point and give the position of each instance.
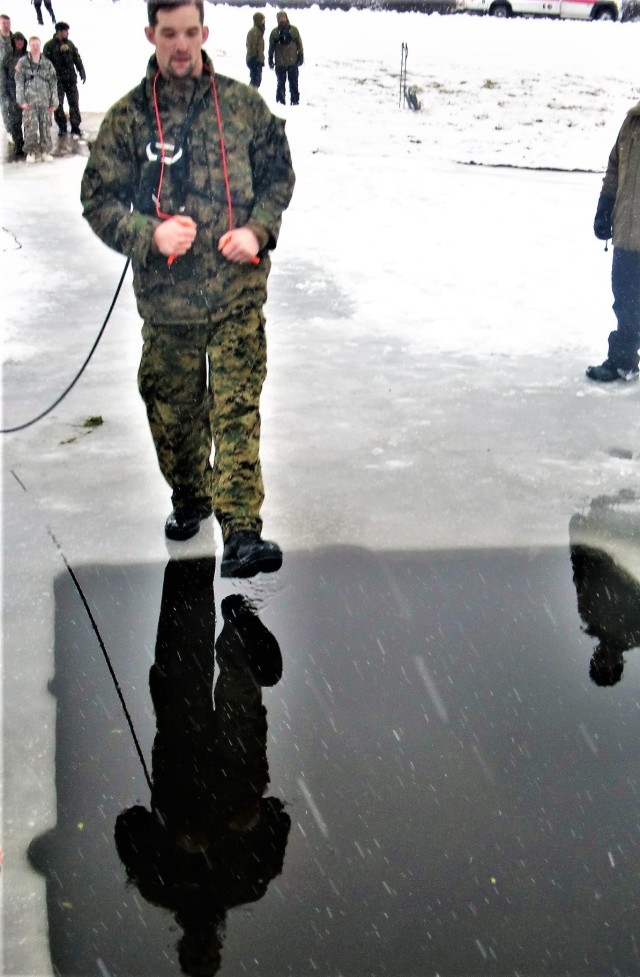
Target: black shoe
(246, 554)
(607, 373)
(62, 132)
(246, 641)
(184, 521)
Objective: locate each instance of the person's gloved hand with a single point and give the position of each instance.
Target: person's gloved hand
(83, 77)
(300, 61)
(602, 226)
(271, 64)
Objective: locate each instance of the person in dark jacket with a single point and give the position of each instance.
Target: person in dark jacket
(189, 175)
(13, 110)
(618, 217)
(286, 56)
(255, 50)
(65, 58)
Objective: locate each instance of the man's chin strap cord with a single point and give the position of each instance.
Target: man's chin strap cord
(21, 427)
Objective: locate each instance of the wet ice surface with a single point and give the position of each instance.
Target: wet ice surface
(462, 796)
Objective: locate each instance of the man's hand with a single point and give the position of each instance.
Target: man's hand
(240, 245)
(602, 223)
(175, 236)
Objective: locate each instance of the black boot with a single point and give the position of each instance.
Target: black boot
(246, 554)
(608, 373)
(184, 521)
(245, 641)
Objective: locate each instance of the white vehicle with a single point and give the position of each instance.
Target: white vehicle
(576, 9)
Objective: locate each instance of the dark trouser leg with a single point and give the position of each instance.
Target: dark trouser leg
(38, 5)
(237, 368)
(281, 75)
(172, 380)
(624, 342)
(293, 85)
(47, 4)
(255, 75)
(74, 106)
(15, 126)
(58, 115)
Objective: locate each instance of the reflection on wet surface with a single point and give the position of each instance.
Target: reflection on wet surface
(390, 763)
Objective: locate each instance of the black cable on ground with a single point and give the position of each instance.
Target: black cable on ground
(21, 427)
(105, 653)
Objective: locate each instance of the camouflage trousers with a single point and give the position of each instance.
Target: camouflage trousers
(201, 385)
(37, 129)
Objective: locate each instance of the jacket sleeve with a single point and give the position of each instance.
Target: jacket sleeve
(52, 82)
(19, 84)
(108, 188)
(273, 176)
(610, 182)
(77, 60)
(298, 41)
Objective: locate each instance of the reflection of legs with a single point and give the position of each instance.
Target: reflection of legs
(238, 367)
(241, 722)
(281, 75)
(625, 281)
(173, 384)
(49, 7)
(38, 5)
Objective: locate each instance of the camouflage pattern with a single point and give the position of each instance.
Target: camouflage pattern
(201, 286)
(185, 412)
(36, 85)
(201, 309)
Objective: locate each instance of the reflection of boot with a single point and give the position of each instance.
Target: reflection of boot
(606, 665)
(246, 640)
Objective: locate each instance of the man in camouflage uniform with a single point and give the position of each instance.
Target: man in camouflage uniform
(155, 188)
(36, 94)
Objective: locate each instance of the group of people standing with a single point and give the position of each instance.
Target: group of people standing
(285, 54)
(34, 84)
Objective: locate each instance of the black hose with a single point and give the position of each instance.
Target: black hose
(21, 427)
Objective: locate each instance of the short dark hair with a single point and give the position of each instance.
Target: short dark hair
(153, 6)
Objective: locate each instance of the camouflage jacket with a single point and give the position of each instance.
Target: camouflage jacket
(622, 182)
(36, 83)
(121, 182)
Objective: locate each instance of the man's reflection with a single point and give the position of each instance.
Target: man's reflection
(609, 605)
(212, 840)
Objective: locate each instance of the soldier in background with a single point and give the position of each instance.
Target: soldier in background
(38, 5)
(286, 55)
(65, 58)
(255, 50)
(8, 81)
(618, 216)
(36, 91)
(198, 221)
(5, 49)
